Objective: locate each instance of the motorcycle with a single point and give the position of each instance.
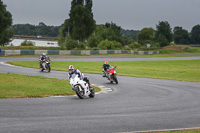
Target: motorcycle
(81, 87)
(45, 65)
(112, 75)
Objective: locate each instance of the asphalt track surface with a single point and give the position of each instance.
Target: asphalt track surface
(135, 104)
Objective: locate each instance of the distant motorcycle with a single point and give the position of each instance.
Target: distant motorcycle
(81, 87)
(112, 75)
(45, 65)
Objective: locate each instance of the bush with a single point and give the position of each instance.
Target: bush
(93, 41)
(80, 46)
(106, 44)
(192, 50)
(127, 48)
(155, 45)
(169, 51)
(27, 43)
(70, 43)
(134, 45)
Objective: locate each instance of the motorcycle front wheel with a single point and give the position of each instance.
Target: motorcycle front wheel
(115, 79)
(49, 69)
(80, 93)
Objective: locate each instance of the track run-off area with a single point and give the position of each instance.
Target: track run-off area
(135, 104)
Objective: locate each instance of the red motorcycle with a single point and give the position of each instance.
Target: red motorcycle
(112, 75)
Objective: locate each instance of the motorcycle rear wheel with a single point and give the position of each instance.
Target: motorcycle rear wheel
(92, 94)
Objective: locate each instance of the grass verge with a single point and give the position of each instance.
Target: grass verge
(182, 70)
(21, 86)
(182, 131)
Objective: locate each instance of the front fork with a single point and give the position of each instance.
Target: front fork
(111, 76)
(77, 87)
(43, 64)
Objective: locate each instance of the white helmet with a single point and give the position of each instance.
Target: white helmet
(43, 54)
(71, 68)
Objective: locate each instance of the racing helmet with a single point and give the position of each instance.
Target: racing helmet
(43, 54)
(106, 62)
(71, 68)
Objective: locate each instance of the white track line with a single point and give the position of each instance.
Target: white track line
(104, 90)
(3, 63)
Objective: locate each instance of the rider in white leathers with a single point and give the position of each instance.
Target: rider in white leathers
(72, 71)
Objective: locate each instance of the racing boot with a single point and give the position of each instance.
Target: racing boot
(104, 74)
(90, 87)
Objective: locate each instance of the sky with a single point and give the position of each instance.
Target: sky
(129, 14)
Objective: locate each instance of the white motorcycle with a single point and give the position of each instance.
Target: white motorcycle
(45, 65)
(81, 87)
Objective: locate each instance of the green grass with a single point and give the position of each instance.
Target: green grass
(183, 131)
(17, 86)
(165, 55)
(179, 51)
(182, 70)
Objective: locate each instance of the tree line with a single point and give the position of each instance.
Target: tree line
(80, 31)
(34, 30)
(73, 34)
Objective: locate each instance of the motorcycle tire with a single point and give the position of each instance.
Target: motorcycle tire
(92, 94)
(49, 69)
(115, 79)
(79, 93)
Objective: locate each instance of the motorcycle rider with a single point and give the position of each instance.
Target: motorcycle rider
(105, 67)
(72, 71)
(42, 58)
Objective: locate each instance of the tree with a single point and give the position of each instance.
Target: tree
(195, 34)
(163, 33)
(181, 36)
(145, 36)
(88, 4)
(111, 32)
(81, 24)
(65, 29)
(130, 36)
(5, 23)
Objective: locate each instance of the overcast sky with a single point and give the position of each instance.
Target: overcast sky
(129, 14)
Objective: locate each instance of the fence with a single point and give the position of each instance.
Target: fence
(72, 52)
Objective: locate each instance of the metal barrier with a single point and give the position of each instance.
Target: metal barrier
(73, 52)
